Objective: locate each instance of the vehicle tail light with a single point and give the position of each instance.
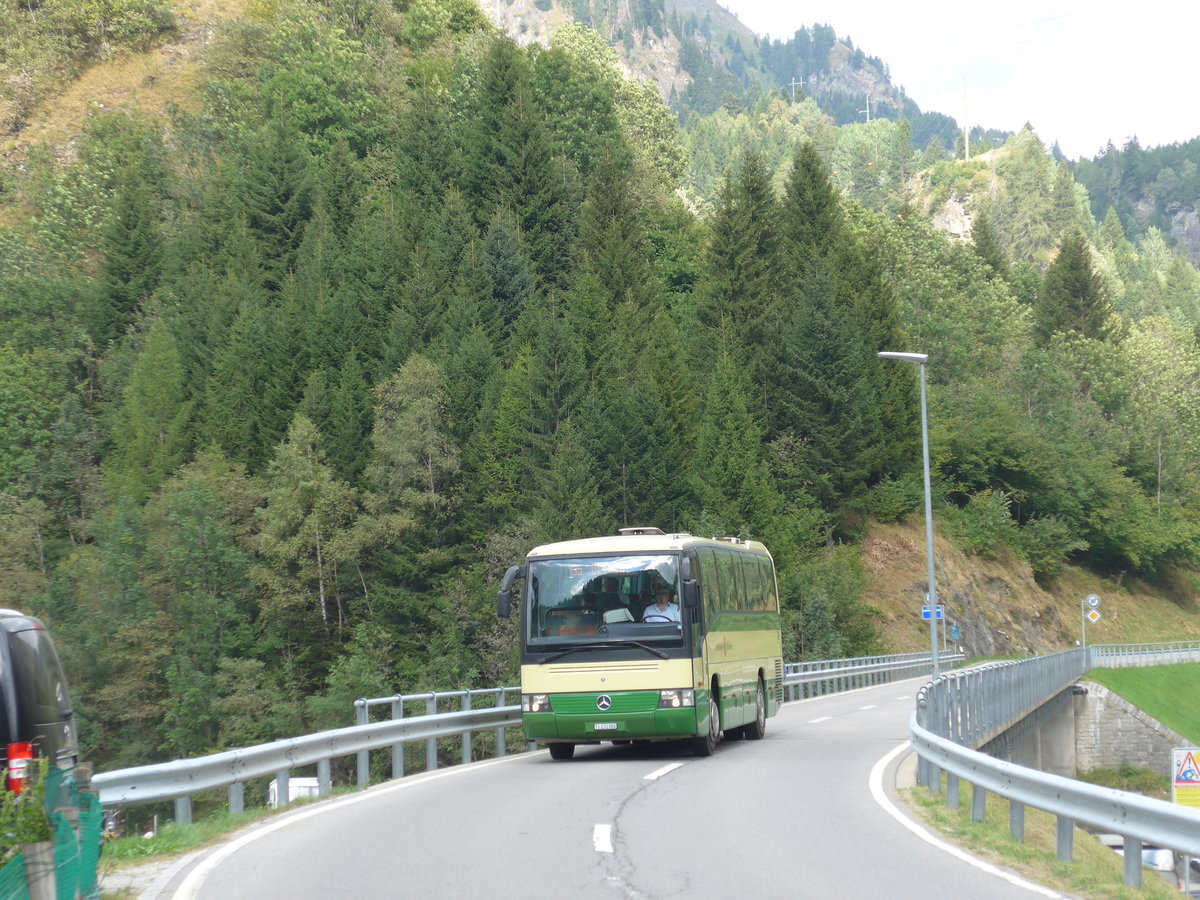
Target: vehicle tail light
(19, 756)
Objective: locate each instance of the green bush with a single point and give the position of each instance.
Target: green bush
(23, 816)
(1045, 543)
(894, 498)
(984, 524)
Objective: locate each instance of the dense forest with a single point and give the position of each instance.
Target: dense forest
(291, 376)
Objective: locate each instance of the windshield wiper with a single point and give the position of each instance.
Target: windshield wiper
(607, 645)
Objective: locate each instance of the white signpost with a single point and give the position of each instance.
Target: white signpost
(1088, 612)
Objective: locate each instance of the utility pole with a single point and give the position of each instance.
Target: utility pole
(966, 127)
(795, 84)
(868, 109)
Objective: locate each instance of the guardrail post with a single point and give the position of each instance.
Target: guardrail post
(466, 736)
(398, 749)
(282, 795)
(183, 810)
(952, 790)
(431, 744)
(1133, 862)
(500, 731)
(237, 798)
(364, 756)
(1016, 820)
(1064, 830)
(324, 777)
(978, 803)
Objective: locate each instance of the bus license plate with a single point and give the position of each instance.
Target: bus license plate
(605, 726)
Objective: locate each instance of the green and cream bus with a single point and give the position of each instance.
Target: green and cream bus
(646, 636)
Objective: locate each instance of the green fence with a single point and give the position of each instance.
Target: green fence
(65, 866)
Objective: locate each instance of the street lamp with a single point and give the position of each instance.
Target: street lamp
(919, 359)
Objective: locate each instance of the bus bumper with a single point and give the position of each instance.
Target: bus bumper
(660, 724)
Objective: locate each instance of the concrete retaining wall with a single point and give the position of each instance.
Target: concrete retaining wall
(1109, 731)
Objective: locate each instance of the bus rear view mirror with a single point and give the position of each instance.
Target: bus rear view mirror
(690, 595)
(504, 598)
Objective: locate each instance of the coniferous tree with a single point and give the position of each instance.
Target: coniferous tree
(811, 216)
(246, 400)
(151, 439)
(276, 191)
(986, 245)
(350, 420)
(557, 378)
(509, 277)
(743, 263)
(132, 259)
(1072, 297)
(508, 164)
(569, 505)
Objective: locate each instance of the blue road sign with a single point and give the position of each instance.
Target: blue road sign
(925, 611)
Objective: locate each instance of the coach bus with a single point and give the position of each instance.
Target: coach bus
(646, 636)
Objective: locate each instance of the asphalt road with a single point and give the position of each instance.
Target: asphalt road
(809, 812)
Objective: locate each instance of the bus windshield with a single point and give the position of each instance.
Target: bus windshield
(595, 598)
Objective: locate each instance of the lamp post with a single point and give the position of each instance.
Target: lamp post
(920, 359)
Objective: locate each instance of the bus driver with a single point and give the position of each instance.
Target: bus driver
(664, 608)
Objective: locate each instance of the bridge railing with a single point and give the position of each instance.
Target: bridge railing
(180, 779)
(960, 711)
(831, 676)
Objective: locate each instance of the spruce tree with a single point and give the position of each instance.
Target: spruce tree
(132, 259)
(811, 215)
(1072, 298)
(569, 500)
(986, 245)
(743, 263)
(276, 191)
(151, 439)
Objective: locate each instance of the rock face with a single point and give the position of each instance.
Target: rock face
(998, 607)
(1185, 228)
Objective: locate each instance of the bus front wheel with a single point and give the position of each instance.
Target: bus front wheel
(707, 745)
(561, 751)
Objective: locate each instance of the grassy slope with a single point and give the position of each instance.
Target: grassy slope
(1168, 693)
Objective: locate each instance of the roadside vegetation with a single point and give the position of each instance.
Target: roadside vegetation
(1095, 872)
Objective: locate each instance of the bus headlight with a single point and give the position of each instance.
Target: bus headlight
(535, 703)
(676, 699)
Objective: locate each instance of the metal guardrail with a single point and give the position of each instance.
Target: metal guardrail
(180, 779)
(831, 676)
(960, 711)
(1118, 656)
(429, 701)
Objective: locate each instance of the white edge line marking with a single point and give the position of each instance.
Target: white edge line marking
(818, 721)
(876, 784)
(195, 879)
(659, 773)
(602, 838)
(868, 706)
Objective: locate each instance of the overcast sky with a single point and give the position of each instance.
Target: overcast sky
(1081, 73)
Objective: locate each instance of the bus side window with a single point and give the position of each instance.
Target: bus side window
(754, 591)
(730, 588)
(710, 585)
(771, 603)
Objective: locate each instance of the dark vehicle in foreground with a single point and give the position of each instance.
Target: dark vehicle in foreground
(36, 719)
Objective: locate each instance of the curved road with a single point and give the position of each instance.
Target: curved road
(809, 812)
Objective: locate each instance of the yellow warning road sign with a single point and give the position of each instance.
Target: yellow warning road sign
(1185, 785)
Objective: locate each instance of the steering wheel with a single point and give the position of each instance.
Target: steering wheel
(646, 617)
